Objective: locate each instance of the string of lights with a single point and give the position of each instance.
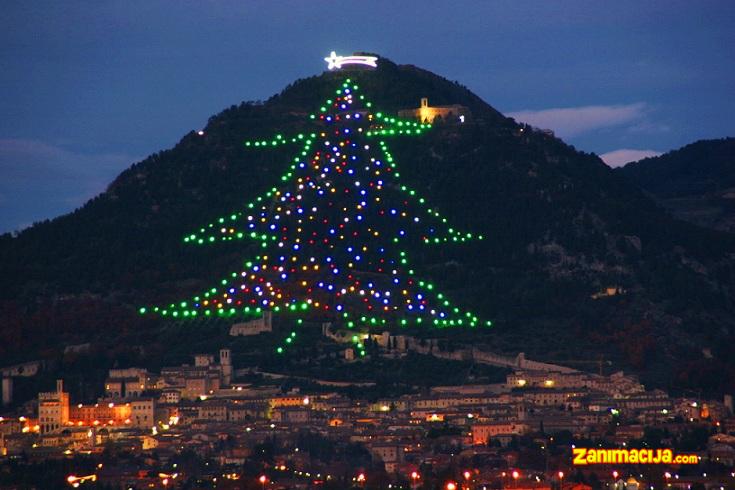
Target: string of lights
(334, 235)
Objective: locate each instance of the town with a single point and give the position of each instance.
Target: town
(198, 425)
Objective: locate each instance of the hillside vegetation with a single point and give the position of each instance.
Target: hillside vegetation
(560, 228)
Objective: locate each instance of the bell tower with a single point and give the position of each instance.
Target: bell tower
(226, 364)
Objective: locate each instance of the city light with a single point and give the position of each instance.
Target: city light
(76, 481)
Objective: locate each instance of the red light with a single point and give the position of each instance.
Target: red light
(467, 475)
(263, 479)
(451, 486)
(515, 474)
(415, 475)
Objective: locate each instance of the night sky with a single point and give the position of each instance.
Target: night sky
(88, 88)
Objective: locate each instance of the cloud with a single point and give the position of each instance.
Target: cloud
(572, 121)
(618, 158)
(42, 180)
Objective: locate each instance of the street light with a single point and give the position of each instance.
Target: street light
(263, 480)
(451, 486)
(561, 480)
(75, 481)
(515, 476)
(415, 477)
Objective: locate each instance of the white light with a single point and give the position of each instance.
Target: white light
(336, 62)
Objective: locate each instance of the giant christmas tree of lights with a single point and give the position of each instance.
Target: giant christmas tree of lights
(334, 235)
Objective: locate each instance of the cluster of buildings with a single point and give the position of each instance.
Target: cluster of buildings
(200, 407)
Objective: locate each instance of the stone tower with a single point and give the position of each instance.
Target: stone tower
(225, 362)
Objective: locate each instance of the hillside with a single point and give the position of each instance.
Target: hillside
(560, 228)
(696, 182)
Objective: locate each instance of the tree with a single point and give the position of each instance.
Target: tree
(334, 236)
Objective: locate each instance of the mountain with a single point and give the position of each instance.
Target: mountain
(695, 183)
(577, 261)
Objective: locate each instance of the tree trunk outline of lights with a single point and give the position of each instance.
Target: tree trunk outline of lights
(332, 233)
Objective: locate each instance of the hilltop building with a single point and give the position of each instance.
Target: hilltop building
(451, 114)
(253, 327)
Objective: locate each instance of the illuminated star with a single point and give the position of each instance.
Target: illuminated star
(334, 61)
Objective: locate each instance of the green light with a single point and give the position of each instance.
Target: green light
(388, 126)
